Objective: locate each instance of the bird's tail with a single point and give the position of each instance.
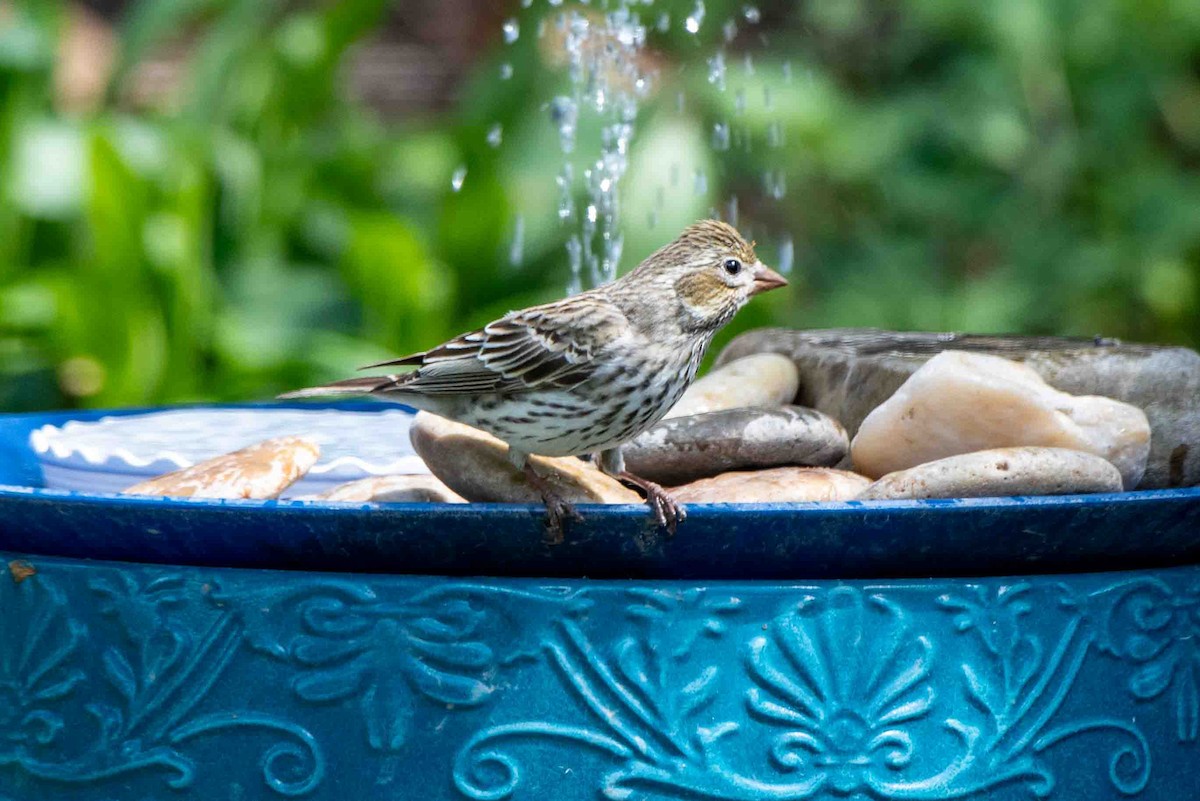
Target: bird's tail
(351, 386)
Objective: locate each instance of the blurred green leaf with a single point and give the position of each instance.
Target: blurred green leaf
(1026, 166)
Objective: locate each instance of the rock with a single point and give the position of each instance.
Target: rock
(260, 471)
(999, 472)
(961, 402)
(777, 485)
(475, 465)
(848, 372)
(392, 489)
(763, 379)
(684, 449)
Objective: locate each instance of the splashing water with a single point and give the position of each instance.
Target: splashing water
(600, 45)
(720, 137)
(609, 77)
(516, 250)
(512, 30)
(716, 71)
(787, 255)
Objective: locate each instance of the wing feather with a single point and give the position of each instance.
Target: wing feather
(551, 346)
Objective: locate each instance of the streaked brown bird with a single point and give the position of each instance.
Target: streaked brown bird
(590, 372)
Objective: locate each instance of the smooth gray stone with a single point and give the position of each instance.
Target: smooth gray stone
(683, 449)
(847, 372)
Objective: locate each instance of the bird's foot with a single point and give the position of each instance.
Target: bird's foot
(667, 511)
(558, 509)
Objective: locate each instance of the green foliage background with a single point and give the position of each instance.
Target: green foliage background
(1024, 165)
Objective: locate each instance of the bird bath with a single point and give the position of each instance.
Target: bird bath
(989, 648)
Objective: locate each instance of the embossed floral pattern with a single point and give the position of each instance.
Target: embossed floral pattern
(37, 644)
(1158, 629)
(445, 644)
(111, 676)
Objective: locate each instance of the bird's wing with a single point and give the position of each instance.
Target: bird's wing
(550, 346)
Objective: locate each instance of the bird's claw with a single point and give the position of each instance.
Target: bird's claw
(558, 508)
(557, 512)
(667, 511)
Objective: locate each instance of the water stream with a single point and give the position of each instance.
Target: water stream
(611, 78)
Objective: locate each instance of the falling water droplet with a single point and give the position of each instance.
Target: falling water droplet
(673, 173)
(720, 137)
(526, 3)
(739, 102)
(512, 29)
(456, 180)
(752, 14)
(607, 78)
(748, 64)
(664, 22)
(716, 71)
(566, 196)
(729, 30)
(700, 183)
(575, 261)
(506, 71)
(768, 98)
(652, 218)
(495, 134)
(775, 184)
(787, 72)
(695, 19)
(787, 255)
(565, 115)
(732, 211)
(516, 250)
(660, 197)
(775, 134)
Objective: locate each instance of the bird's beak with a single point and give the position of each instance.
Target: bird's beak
(766, 279)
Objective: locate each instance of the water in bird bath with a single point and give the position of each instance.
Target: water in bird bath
(607, 52)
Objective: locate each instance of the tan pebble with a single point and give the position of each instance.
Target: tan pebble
(1000, 472)
(777, 485)
(392, 489)
(475, 465)
(764, 379)
(259, 471)
(961, 402)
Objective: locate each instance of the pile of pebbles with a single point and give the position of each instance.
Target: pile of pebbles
(834, 415)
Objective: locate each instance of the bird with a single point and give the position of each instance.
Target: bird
(587, 373)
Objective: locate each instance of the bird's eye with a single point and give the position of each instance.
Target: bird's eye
(733, 266)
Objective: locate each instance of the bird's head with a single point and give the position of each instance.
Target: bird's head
(710, 270)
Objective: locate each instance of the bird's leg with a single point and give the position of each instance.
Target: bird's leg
(558, 509)
(667, 511)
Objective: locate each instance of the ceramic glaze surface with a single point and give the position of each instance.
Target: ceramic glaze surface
(149, 682)
(982, 536)
(112, 452)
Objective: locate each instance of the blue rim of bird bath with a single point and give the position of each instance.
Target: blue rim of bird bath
(852, 539)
